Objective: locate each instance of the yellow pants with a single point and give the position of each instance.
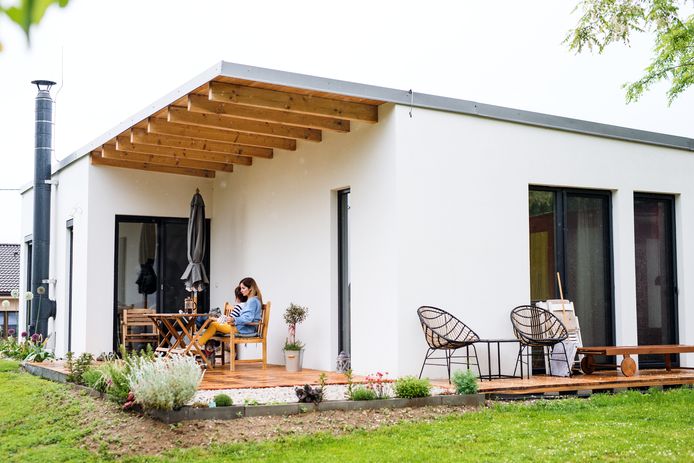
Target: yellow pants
(213, 329)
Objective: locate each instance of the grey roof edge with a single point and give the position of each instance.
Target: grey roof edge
(389, 95)
(161, 103)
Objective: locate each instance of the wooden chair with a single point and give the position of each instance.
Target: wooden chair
(223, 339)
(234, 338)
(145, 329)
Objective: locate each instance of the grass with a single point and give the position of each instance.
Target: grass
(39, 420)
(44, 422)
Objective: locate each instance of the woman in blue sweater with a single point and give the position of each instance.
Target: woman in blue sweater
(249, 314)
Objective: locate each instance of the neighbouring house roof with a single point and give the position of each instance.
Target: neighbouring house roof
(232, 113)
(9, 268)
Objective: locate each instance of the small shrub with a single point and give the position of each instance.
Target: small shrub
(465, 382)
(363, 393)
(409, 387)
(116, 374)
(77, 368)
(165, 384)
(95, 379)
(223, 400)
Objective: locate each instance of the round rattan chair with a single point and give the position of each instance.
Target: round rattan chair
(444, 332)
(537, 327)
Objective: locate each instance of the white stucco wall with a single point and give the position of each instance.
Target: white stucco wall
(116, 191)
(439, 216)
(462, 195)
(276, 221)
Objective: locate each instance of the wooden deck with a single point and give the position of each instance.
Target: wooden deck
(540, 384)
(252, 376)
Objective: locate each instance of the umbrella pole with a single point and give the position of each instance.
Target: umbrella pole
(195, 301)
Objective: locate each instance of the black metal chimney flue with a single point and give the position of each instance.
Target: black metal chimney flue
(43, 151)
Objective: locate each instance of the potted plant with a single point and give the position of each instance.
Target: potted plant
(293, 349)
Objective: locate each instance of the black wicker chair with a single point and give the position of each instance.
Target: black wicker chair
(537, 327)
(443, 331)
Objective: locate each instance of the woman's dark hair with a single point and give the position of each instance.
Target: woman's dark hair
(250, 283)
(239, 295)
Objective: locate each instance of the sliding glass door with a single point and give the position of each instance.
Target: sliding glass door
(656, 282)
(150, 257)
(570, 234)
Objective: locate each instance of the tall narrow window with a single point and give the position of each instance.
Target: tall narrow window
(344, 283)
(656, 283)
(69, 283)
(570, 233)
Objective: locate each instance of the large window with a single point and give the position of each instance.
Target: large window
(656, 282)
(570, 233)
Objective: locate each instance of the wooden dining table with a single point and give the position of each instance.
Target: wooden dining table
(179, 335)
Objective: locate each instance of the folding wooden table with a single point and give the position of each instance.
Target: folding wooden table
(178, 334)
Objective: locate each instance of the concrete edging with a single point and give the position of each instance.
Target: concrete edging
(241, 411)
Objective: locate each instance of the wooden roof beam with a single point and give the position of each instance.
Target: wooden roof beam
(101, 161)
(141, 136)
(251, 96)
(124, 144)
(183, 116)
(161, 126)
(201, 104)
(171, 161)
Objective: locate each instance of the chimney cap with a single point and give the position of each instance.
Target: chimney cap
(44, 85)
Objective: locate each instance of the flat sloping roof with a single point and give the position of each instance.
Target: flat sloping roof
(272, 106)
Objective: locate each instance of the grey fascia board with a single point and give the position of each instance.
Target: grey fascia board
(161, 103)
(388, 95)
(423, 100)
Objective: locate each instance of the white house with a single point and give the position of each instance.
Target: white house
(364, 203)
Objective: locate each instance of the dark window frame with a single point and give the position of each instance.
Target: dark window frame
(343, 332)
(69, 229)
(159, 221)
(671, 199)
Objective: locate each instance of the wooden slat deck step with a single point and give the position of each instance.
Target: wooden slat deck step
(600, 380)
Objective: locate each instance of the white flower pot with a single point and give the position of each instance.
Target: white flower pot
(293, 360)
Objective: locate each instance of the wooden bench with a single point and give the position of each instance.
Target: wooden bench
(628, 365)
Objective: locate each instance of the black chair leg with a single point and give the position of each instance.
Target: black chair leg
(477, 361)
(426, 357)
(449, 354)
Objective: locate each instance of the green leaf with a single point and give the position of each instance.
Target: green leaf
(30, 12)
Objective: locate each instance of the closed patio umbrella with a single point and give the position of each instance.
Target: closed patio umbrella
(195, 275)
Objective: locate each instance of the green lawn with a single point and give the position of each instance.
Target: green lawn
(43, 422)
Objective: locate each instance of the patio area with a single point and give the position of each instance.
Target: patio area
(252, 376)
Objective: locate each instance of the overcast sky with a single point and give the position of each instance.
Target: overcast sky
(112, 58)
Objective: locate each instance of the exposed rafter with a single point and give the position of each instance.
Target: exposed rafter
(172, 161)
(163, 127)
(201, 104)
(124, 144)
(101, 161)
(308, 104)
(141, 136)
(226, 121)
(183, 116)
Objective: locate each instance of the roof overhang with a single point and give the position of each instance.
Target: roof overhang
(233, 113)
(225, 117)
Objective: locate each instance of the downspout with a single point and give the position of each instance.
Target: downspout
(42, 307)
